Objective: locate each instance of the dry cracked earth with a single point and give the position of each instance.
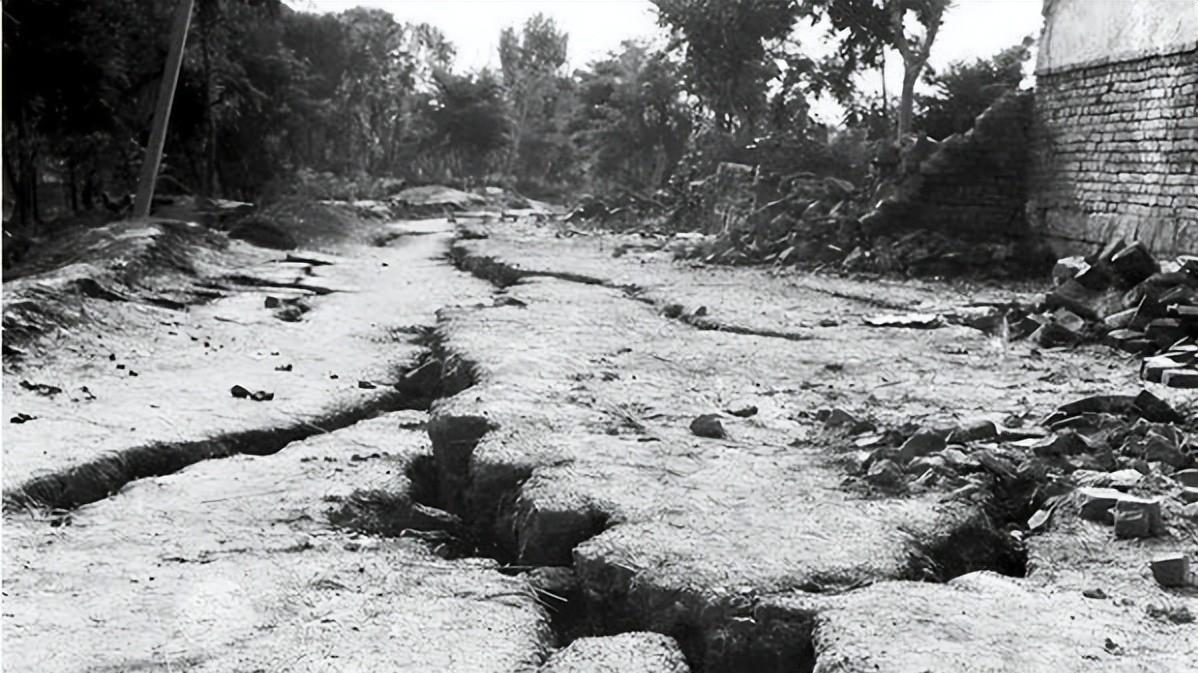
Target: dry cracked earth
(478, 457)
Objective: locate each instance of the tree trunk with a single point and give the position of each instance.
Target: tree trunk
(209, 163)
(907, 100)
(71, 188)
(23, 176)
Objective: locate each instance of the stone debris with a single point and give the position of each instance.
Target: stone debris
(708, 425)
(921, 444)
(1125, 298)
(1127, 459)
(1171, 570)
(1174, 614)
(44, 389)
(1137, 517)
(837, 418)
(745, 411)
(241, 392)
(885, 473)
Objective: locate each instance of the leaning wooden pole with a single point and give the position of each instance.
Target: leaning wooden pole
(162, 110)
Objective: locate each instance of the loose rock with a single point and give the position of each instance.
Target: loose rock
(884, 473)
(921, 444)
(708, 425)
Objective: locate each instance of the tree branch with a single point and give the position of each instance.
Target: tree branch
(896, 24)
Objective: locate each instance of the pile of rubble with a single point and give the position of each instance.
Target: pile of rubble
(1124, 297)
(1123, 459)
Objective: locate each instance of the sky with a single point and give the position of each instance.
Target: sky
(972, 28)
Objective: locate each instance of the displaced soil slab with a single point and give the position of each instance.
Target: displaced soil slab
(236, 565)
(985, 623)
(642, 448)
(578, 445)
(146, 390)
(625, 653)
(589, 457)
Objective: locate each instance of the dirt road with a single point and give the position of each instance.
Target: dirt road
(555, 509)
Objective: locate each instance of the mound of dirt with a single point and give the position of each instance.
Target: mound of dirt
(311, 224)
(263, 232)
(439, 196)
(116, 262)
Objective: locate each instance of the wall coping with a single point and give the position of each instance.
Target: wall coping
(1125, 57)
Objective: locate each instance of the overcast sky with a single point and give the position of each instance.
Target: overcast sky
(972, 28)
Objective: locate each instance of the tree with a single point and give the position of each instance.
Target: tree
(531, 62)
(726, 52)
(913, 48)
(964, 90)
(864, 29)
(631, 120)
(469, 119)
(76, 113)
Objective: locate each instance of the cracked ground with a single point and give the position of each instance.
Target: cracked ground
(551, 509)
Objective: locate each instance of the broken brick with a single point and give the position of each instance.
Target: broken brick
(1075, 297)
(1055, 334)
(1138, 517)
(1171, 570)
(1164, 332)
(921, 444)
(1068, 268)
(1097, 503)
(1180, 378)
(1108, 404)
(1133, 264)
(1187, 477)
(1152, 369)
(884, 473)
(1157, 448)
(1152, 408)
(1062, 444)
(973, 432)
(1120, 320)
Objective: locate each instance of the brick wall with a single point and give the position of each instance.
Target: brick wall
(1115, 153)
(972, 186)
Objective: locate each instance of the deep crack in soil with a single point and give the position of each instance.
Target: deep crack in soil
(104, 475)
(495, 513)
(749, 553)
(504, 275)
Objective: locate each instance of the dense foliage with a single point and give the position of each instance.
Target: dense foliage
(272, 100)
(964, 89)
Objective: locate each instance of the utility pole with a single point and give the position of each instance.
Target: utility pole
(162, 110)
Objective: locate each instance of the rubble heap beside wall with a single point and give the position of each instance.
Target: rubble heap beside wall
(972, 186)
(1115, 152)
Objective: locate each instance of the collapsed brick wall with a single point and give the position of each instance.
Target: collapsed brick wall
(1115, 153)
(972, 186)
